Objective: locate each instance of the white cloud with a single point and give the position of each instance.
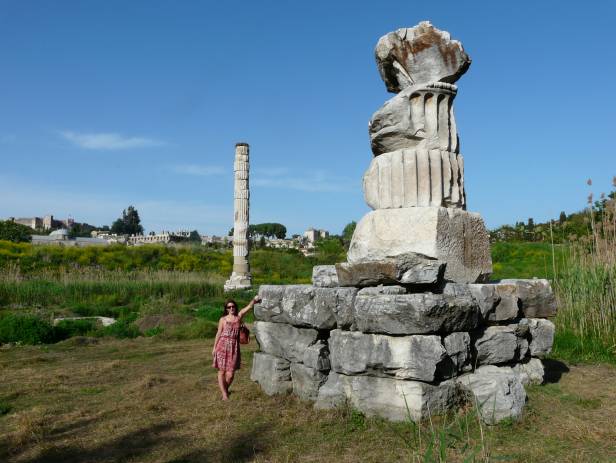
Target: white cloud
(108, 141)
(311, 181)
(198, 170)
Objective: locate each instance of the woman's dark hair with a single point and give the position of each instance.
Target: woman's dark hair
(225, 311)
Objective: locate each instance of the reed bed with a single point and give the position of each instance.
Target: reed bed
(98, 287)
(586, 290)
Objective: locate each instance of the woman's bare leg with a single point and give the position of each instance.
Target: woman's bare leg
(229, 378)
(223, 385)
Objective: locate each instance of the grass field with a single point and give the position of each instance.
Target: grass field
(152, 400)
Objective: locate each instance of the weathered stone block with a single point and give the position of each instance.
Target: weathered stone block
(541, 335)
(388, 398)
(273, 374)
(403, 357)
(508, 306)
(316, 356)
(408, 269)
(305, 305)
(497, 391)
(536, 297)
(420, 313)
(500, 344)
(283, 340)
(484, 294)
(486, 297)
(324, 276)
(531, 372)
(339, 301)
(270, 306)
(306, 381)
(458, 348)
(376, 290)
(308, 306)
(497, 301)
(333, 393)
(454, 236)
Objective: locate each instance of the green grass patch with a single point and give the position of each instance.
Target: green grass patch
(525, 260)
(91, 390)
(5, 407)
(573, 348)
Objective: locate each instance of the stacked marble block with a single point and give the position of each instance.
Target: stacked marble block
(411, 349)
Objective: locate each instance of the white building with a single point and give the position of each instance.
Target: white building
(312, 236)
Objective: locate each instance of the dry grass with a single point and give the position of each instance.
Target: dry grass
(152, 400)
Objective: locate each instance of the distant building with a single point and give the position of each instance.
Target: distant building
(111, 238)
(282, 243)
(44, 223)
(222, 240)
(160, 238)
(312, 236)
(61, 238)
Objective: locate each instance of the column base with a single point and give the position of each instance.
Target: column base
(454, 236)
(238, 282)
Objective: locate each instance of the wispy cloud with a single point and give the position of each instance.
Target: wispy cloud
(311, 181)
(196, 169)
(108, 141)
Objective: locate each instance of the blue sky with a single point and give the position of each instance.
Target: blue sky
(109, 103)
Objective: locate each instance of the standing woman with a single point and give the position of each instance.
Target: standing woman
(226, 349)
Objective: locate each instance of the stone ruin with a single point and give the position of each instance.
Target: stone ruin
(240, 276)
(410, 325)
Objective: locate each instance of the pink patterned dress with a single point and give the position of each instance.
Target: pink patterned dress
(227, 352)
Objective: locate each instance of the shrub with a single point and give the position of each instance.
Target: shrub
(120, 329)
(15, 232)
(69, 328)
(26, 329)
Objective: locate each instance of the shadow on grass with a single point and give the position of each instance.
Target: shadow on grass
(137, 445)
(237, 448)
(127, 447)
(553, 370)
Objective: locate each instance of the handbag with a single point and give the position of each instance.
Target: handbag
(244, 334)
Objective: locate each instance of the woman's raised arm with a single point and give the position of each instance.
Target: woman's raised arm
(251, 304)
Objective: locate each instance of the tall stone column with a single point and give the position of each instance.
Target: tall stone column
(240, 277)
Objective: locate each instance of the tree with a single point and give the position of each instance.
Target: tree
(531, 224)
(128, 224)
(81, 230)
(194, 236)
(330, 250)
(15, 232)
(347, 233)
(562, 218)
